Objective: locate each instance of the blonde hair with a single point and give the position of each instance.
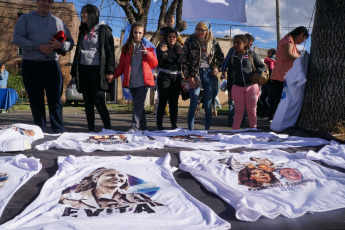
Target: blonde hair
(209, 35)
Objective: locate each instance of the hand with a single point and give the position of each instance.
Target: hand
(109, 77)
(255, 78)
(229, 96)
(215, 71)
(144, 50)
(164, 48)
(46, 49)
(179, 50)
(191, 83)
(55, 44)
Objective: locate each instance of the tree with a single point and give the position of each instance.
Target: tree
(139, 9)
(324, 102)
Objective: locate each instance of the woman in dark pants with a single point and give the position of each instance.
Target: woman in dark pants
(94, 64)
(169, 77)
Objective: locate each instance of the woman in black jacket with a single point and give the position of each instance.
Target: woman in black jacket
(94, 64)
(169, 77)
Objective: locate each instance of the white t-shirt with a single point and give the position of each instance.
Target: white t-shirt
(197, 139)
(115, 193)
(267, 183)
(268, 140)
(291, 101)
(107, 141)
(18, 137)
(14, 172)
(333, 154)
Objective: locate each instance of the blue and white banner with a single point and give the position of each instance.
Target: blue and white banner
(232, 10)
(126, 92)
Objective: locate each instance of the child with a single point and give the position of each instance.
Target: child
(170, 22)
(245, 90)
(135, 64)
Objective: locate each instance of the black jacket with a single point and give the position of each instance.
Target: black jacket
(169, 59)
(240, 69)
(106, 54)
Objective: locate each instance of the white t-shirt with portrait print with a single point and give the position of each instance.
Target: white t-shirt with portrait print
(197, 139)
(18, 137)
(121, 192)
(267, 183)
(270, 140)
(107, 141)
(14, 172)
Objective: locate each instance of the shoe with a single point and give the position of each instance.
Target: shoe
(131, 130)
(269, 119)
(160, 128)
(173, 127)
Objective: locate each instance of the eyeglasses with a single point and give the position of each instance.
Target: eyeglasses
(201, 30)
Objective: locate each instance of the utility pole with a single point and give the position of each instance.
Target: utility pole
(278, 20)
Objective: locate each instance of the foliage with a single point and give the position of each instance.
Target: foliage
(15, 81)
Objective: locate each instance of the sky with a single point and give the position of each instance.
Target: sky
(261, 19)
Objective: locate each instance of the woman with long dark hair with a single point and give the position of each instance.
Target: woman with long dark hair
(287, 53)
(94, 64)
(135, 64)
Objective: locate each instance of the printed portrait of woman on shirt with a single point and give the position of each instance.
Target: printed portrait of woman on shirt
(106, 188)
(256, 177)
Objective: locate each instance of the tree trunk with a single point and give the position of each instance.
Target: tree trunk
(175, 6)
(324, 101)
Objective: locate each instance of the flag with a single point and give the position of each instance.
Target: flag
(232, 10)
(126, 92)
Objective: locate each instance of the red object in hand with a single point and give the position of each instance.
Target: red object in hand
(61, 37)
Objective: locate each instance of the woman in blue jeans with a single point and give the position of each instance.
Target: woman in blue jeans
(200, 61)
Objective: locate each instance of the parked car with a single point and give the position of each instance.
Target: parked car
(72, 95)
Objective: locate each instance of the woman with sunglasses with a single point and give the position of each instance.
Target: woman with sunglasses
(200, 61)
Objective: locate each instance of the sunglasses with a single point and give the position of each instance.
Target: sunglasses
(201, 30)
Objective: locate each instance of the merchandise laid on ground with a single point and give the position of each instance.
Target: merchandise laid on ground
(176, 179)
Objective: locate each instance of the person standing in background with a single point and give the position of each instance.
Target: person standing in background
(245, 89)
(135, 64)
(3, 76)
(263, 104)
(287, 53)
(169, 77)
(200, 61)
(34, 32)
(94, 64)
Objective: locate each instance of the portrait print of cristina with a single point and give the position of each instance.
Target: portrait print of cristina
(104, 188)
(254, 177)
